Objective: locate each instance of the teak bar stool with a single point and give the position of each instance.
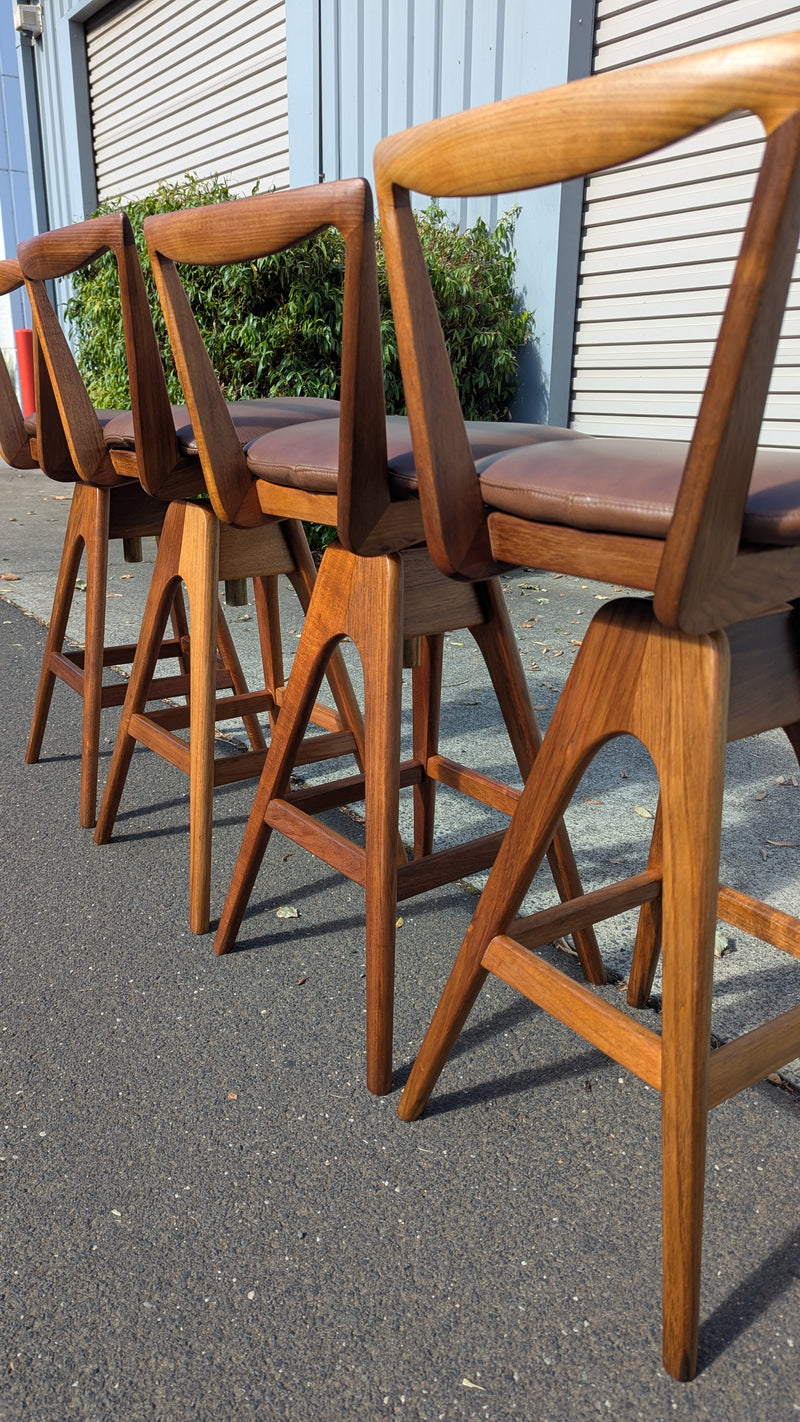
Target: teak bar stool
(376, 585)
(104, 505)
(125, 467)
(198, 549)
(712, 528)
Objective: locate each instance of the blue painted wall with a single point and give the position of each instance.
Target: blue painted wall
(15, 206)
(382, 65)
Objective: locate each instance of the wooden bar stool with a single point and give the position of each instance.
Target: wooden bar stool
(376, 585)
(711, 528)
(129, 466)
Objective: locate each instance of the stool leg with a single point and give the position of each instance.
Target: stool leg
(495, 638)
(160, 598)
(230, 658)
(268, 615)
(647, 945)
(199, 569)
(84, 495)
(324, 625)
(303, 581)
(687, 696)
(426, 706)
(96, 535)
(375, 625)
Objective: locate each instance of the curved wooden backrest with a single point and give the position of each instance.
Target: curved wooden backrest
(15, 445)
(706, 579)
(259, 226)
(58, 254)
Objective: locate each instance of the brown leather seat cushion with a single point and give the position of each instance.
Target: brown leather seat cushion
(612, 485)
(308, 457)
(251, 418)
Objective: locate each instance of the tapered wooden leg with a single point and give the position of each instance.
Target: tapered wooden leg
(690, 721)
(378, 604)
(96, 537)
(230, 659)
(83, 498)
(180, 629)
(303, 582)
(497, 643)
(160, 599)
(426, 703)
(647, 946)
(265, 591)
(324, 625)
(199, 568)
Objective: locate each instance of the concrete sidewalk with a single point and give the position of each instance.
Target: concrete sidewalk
(207, 1214)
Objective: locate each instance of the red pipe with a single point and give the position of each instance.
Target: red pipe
(24, 339)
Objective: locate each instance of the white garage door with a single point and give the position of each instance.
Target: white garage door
(660, 238)
(198, 87)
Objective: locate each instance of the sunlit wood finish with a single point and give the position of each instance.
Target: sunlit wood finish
(374, 586)
(713, 657)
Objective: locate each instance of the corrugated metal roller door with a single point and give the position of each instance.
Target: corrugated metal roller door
(197, 87)
(660, 239)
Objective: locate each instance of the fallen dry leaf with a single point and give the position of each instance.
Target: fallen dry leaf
(233, 1096)
(564, 947)
(640, 810)
(399, 923)
(300, 982)
(762, 795)
(9, 577)
(783, 843)
(592, 802)
(465, 1382)
(286, 911)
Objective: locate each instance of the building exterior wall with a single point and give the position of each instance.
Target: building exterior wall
(382, 65)
(661, 237)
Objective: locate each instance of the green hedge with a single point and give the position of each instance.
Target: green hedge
(273, 326)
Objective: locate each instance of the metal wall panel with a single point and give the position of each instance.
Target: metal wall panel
(660, 238)
(188, 89)
(387, 64)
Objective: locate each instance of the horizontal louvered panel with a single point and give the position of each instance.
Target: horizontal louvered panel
(204, 98)
(660, 240)
(702, 327)
(688, 379)
(620, 44)
(665, 404)
(676, 356)
(683, 167)
(774, 434)
(702, 196)
(188, 89)
(698, 222)
(608, 262)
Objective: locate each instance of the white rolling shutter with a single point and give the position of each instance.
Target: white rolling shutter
(660, 238)
(193, 88)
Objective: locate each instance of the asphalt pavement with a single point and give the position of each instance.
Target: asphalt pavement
(205, 1213)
